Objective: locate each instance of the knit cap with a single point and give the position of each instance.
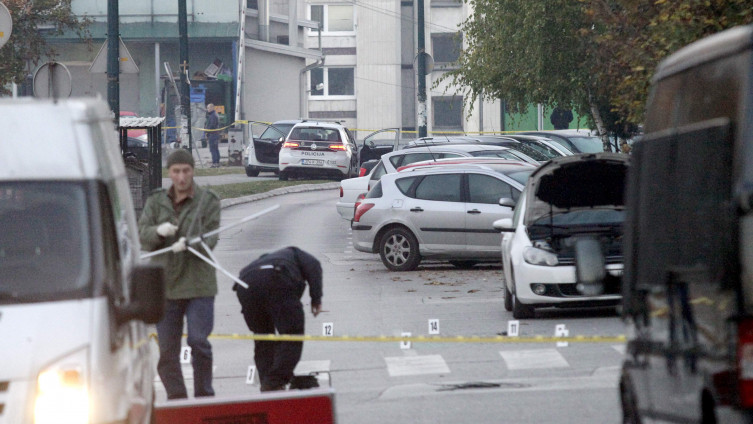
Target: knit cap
(180, 156)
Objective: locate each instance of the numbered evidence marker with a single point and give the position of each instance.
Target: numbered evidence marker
(251, 374)
(328, 329)
(185, 355)
(561, 331)
(405, 344)
(434, 326)
(513, 328)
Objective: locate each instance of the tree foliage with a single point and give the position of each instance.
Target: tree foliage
(33, 21)
(594, 56)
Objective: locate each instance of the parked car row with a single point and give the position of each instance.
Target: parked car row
(469, 200)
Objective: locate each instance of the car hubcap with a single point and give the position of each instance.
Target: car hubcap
(397, 250)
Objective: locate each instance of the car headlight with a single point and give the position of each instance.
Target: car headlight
(62, 392)
(536, 256)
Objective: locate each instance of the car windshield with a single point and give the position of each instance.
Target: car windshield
(505, 154)
(275, 131)
(543, 149)
(520, 176)
(44, 249)
(588, 144)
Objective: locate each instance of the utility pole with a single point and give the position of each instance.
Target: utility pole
(421, 71)
(185, 90)
(113, 58)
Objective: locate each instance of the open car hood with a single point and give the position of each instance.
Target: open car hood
(581, 181)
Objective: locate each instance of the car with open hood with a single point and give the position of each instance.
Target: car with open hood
(566, 198)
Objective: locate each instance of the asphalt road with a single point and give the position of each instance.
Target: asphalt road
(378, 382)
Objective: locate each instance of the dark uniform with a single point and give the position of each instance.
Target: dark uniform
(276, 281)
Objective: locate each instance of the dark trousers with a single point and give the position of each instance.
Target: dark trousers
(273, 303)
(199, 313)
(214, 149)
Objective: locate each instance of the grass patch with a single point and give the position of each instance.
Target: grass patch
(231, 191)
(209, 172)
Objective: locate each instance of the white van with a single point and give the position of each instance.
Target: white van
(73, 299)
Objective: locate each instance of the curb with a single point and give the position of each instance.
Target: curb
(226, 203)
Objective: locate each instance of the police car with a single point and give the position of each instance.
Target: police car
(319, 149)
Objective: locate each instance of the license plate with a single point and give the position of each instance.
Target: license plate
(316, 162)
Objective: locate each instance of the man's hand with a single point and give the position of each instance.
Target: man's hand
(179, 246)
(315, 309)
(167, 229)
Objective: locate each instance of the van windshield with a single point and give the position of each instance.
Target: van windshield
(44, 248)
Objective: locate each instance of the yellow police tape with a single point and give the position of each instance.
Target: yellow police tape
(418, 339)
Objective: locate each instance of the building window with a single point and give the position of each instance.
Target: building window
(333, 17)
(252, 4)
(448, 113)
(334, 82)
(446, 46)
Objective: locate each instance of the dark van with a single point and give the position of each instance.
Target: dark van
(688, 282)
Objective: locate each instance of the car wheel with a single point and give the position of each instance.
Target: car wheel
(508, 299)
(463, 264)
(283, 176)
(629, 403)
(398, 249)
(521, 311)
(252, 172)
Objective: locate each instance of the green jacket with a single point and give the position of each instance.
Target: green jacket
(186, 275)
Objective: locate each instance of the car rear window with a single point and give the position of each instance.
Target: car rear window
(315, 134)
(375, 192)
(404, 184)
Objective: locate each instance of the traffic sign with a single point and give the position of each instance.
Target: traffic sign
(52, 80)
(127, 64)
(6, 24)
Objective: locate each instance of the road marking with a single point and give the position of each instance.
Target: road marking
(619, 348)
(533, 359)
(398, 366)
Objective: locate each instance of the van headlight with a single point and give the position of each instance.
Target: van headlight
(536, 256)
(62, 392)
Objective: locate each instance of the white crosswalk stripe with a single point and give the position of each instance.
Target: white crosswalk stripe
(533, 359)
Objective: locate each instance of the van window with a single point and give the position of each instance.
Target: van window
(44, 242)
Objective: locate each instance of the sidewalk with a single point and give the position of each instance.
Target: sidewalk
(204, 160)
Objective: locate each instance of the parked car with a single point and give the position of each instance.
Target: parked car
(351, 188)
(322, 149)
(263, 153)
(489, 140)
(137, 148)
(442, 213)
(565, 198)
(545, 146)
(577, 141)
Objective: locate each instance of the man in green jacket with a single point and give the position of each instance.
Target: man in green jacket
(170, 218)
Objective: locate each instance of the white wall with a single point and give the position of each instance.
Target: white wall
(197, 10)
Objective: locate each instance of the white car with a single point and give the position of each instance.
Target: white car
(568, 197)
(262, 154)
(351, 188)
(438, 212)
(318, 149)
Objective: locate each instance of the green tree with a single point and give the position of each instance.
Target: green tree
(594, 56)
(33, 20)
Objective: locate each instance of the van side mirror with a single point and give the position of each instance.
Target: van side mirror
(507, 202)
(589, 266)
(147, 296)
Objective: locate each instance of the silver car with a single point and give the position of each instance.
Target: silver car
(443, 213)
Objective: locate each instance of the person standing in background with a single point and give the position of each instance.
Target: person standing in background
(213, 137)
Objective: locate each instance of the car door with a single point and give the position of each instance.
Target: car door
(482, 208)
(437, 212)
(378, 143)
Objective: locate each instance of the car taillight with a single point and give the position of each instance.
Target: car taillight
(360, 210)
(359, 199)
(362, 172)
(337, 147)
(745, 361)
(290, 145)
(341, 192)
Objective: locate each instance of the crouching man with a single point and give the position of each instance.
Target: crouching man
(272, 303)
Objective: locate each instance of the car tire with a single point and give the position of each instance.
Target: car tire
(463, 264)
(282, 175)
(252, 172)
(508, 299)
(398, 249)
(521, 311)
(628, 401)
